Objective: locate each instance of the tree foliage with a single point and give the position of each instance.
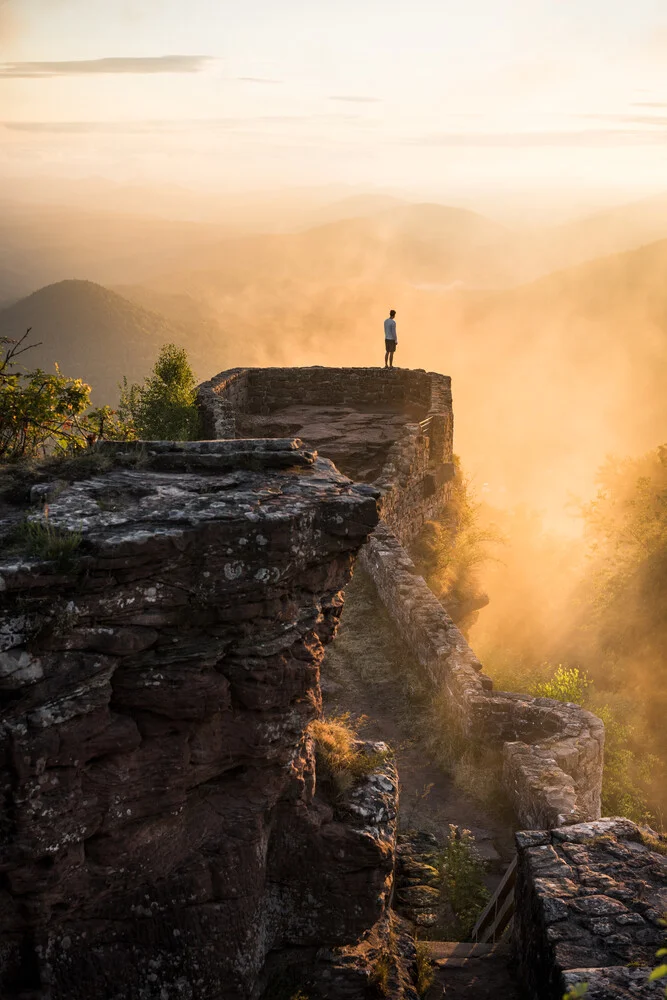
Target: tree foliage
(450, 550)
(40, 413)
(163, 406)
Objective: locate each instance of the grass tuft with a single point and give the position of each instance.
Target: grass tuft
(381, 974)
(43, 540)
(340, 754)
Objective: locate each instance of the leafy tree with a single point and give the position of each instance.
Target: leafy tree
(40, 413)
(463, 879)
(450, 551)
(163, 407)
(567, 684)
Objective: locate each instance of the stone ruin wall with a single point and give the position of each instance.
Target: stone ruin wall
(162, 832)
(552, 753)
(415, 480)
(589, 903)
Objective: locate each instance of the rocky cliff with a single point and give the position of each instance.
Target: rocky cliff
(162, 831)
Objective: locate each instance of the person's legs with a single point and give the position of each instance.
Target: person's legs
(391, 357)
(386, 359)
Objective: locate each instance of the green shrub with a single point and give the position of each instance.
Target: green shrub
(424, 968)
(463, 880)
(339, 753)
(578, 991)
(164, 406)
(39, 412)
(567, 684)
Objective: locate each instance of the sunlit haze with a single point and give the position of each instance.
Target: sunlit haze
(258, 183)
(437, 99)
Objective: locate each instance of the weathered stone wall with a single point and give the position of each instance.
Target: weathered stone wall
(162, 830)
(414, 481)
(589, 899)
(552, 753)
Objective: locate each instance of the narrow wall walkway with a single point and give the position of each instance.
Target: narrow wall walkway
(367, 671)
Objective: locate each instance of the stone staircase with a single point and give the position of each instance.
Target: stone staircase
(480, 969)
(470, 971)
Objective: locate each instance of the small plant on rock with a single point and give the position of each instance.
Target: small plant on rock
(381, 974)
(661, 971)
(424, 968)
(463, 880)
(340, 754)
(44, 540)
(576, 992)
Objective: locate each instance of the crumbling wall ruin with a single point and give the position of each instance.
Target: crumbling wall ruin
(552, 753)
(416, 465)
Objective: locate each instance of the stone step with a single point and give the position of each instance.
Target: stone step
(456, 954)
(466, 970)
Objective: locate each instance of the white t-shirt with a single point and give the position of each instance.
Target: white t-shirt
(390, 330)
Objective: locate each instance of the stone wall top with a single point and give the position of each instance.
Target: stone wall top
(552, 752)
(260, 390)
(589, 902)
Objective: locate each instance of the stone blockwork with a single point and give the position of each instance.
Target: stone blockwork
(393, 428)
(552, 753)
(589, 899)
(162, 830)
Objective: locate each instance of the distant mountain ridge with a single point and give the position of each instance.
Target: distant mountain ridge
(97, 335)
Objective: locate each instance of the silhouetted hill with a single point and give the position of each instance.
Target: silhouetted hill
(615, 230)
(40, 245)
(97, 335)
(409, 243)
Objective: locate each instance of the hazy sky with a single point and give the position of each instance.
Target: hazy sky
(426, 94)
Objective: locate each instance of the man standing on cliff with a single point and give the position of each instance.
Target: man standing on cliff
(390, 339)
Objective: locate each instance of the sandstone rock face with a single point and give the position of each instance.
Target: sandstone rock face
(589, 898)
(162, 831)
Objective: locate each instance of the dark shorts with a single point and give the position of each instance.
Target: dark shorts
(390, 346)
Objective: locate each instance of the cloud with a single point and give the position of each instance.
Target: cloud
(354, 99)
(117, 64)
(650, 104)
(584, 137)
(638, 119)
(257, 79)
(121, 127)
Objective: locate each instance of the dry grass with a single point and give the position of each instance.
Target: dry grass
(341, 756)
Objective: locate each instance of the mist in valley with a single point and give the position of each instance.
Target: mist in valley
(520, 260)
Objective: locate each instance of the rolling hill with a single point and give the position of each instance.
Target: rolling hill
(96, 335)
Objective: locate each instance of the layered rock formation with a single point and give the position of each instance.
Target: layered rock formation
(162, 830)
